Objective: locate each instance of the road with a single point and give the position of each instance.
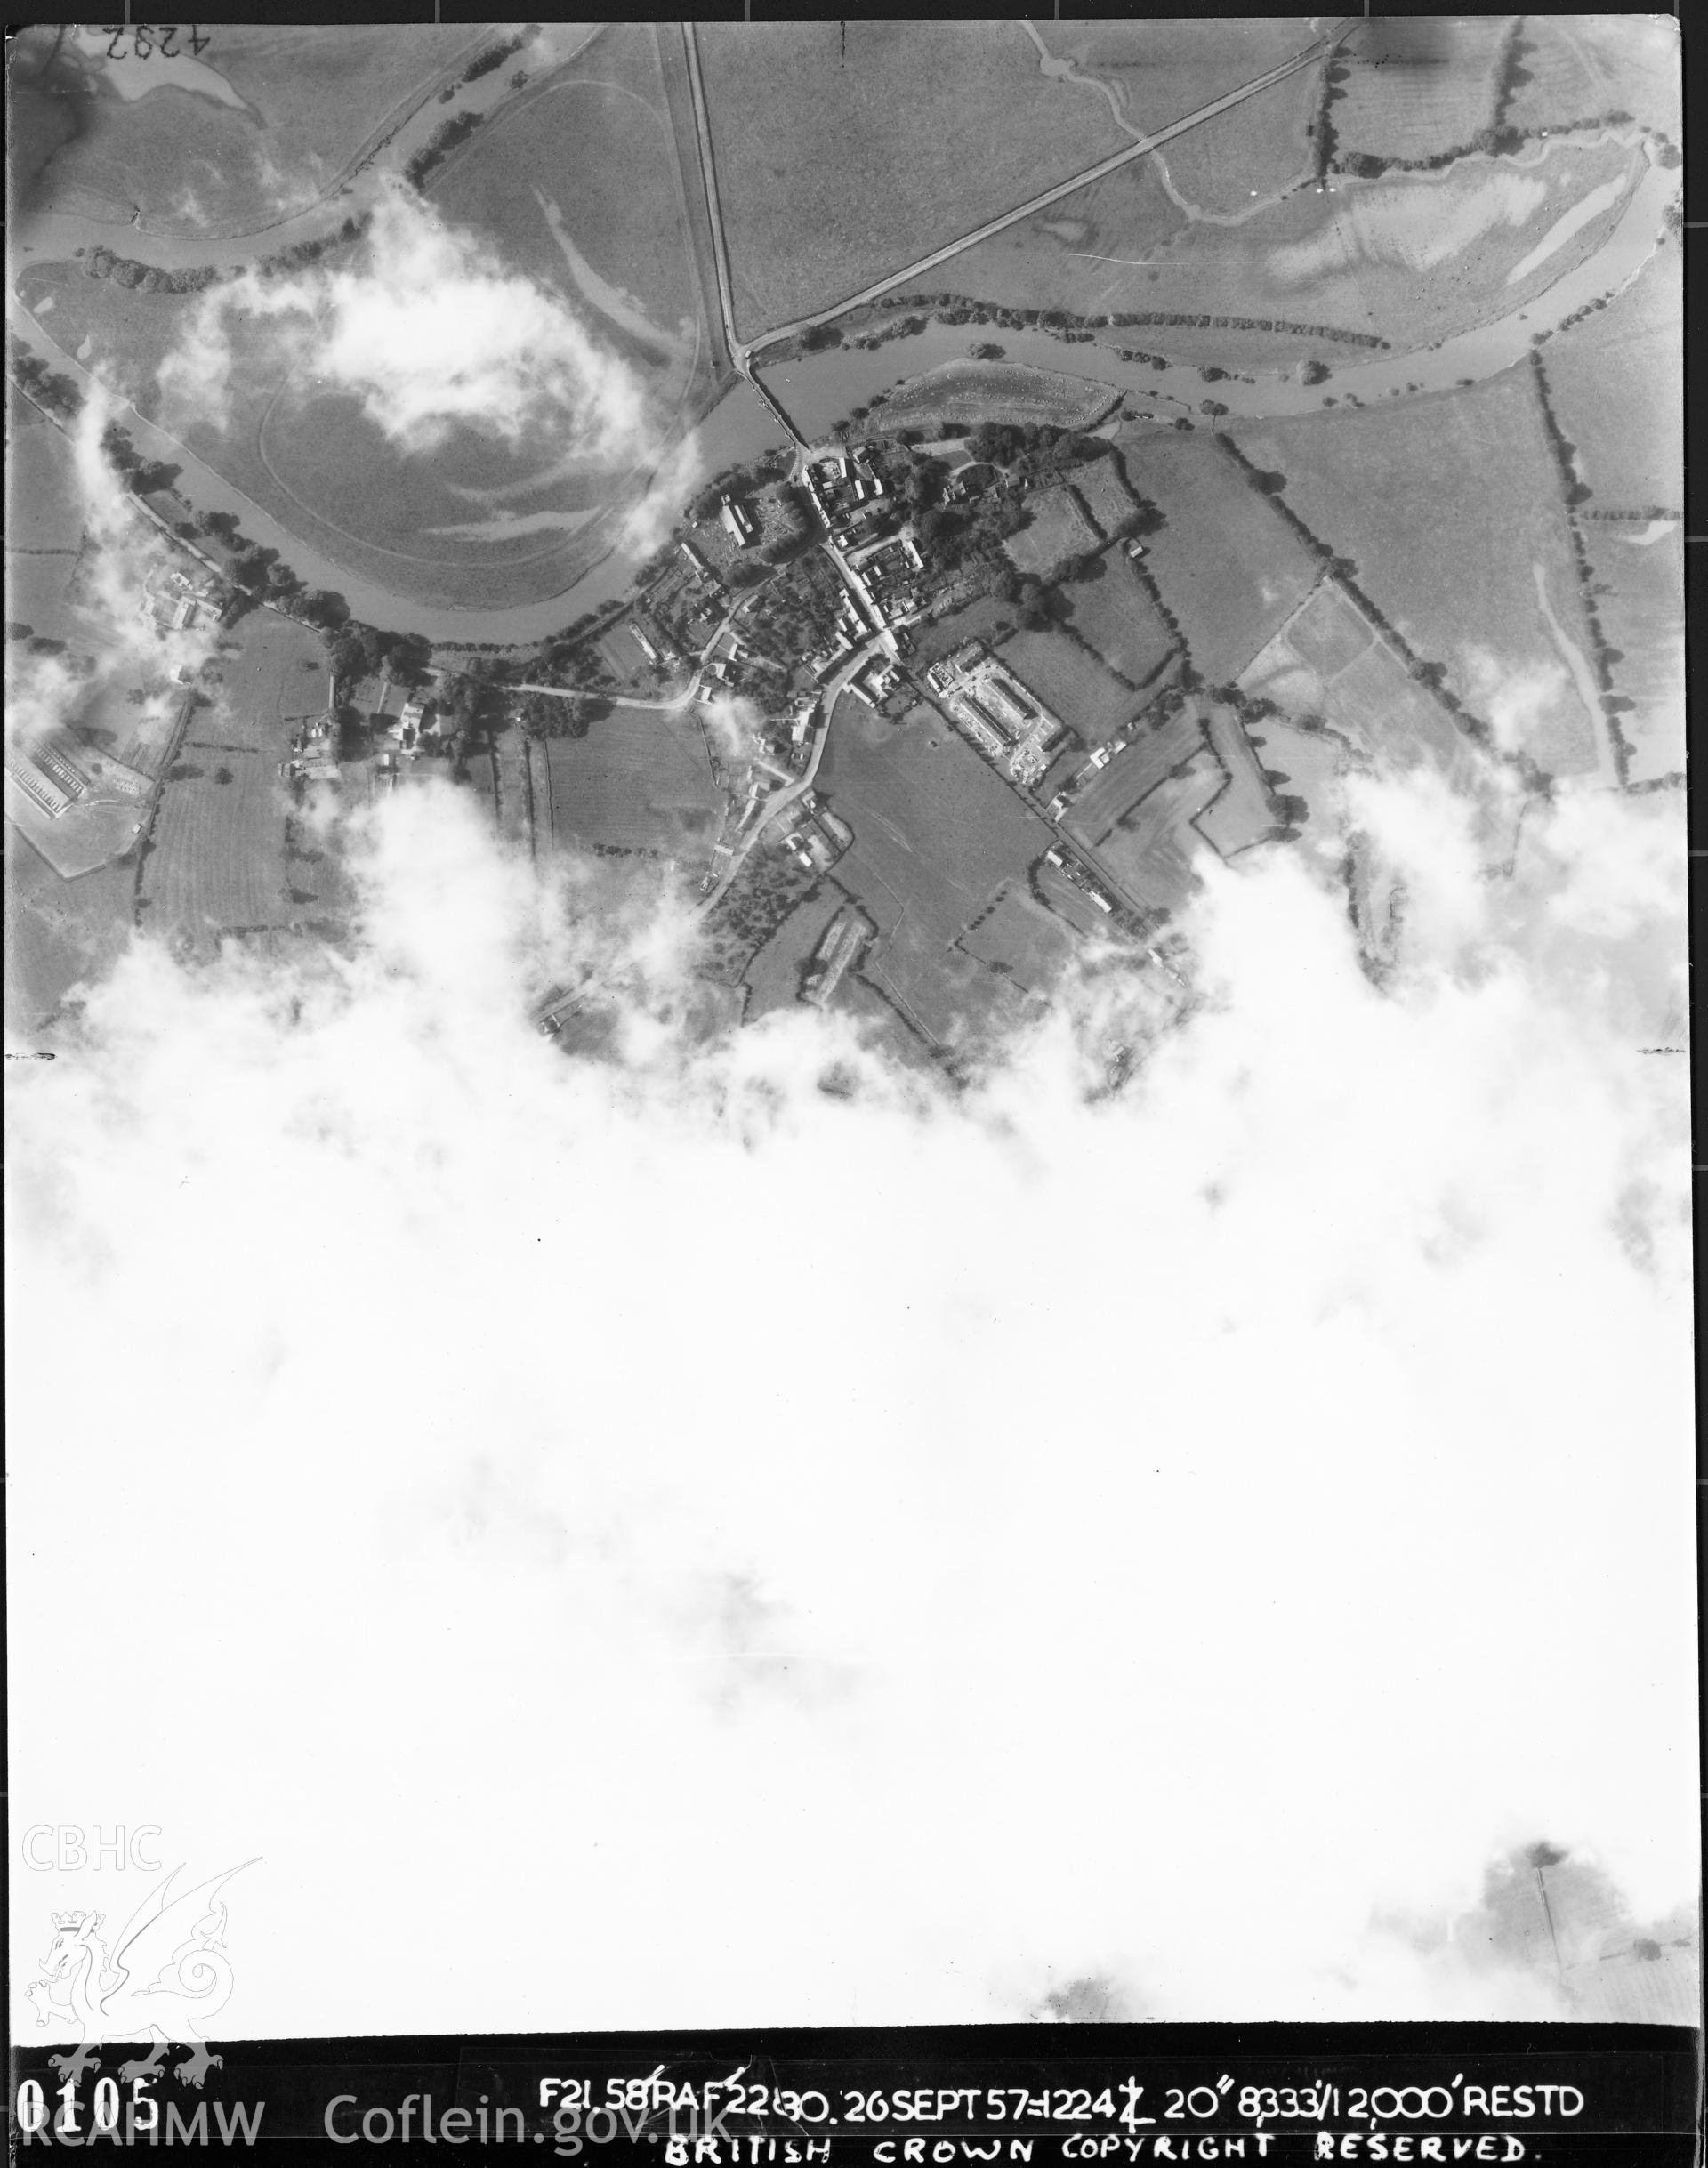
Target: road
(784, 799)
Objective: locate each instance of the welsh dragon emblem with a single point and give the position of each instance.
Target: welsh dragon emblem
(166, 1975)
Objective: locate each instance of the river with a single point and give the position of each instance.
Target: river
(819, 389)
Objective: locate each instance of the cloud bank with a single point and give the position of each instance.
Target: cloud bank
(823, 1549)
(430, 332)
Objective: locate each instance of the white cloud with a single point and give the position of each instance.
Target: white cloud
(826, 1550)
(429, 331)
(108, 640)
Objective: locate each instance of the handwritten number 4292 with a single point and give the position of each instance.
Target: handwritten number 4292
(150, 41)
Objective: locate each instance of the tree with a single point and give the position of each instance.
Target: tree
(817, 336)
(324, 607)
(1313, 372)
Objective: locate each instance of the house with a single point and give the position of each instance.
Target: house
(738, 521)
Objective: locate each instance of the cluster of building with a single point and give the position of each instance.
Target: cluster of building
(844, 941)
(1006, 721)
(845, 492)
(879, 679)
(890, 572)
(1070, 869)
(1093, 766)
(314, 756)
(173, 601)
(738, 521)
(44, 775)
(816, 837)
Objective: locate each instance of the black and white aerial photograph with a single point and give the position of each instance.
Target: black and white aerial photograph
(848, 1105)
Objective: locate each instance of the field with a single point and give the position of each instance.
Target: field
(1308, 764)
(44, 498)
(1069, 904)
(1446, 505)
(1162, 70)
(222, 859)
(58, 931)
(1115, 615)
(844, 150)
(1018, 938)
(1227, 564)
(1578, 66)
(1372, 702)
(623, 656)
(936, 833)
(1415, 87)
(1056, 531)
(1256, 148)
(1071, 681)
(1094, 251)
(1616, 381)
(1411, 258)
(637, 782)
(189, 162)
(1241, 814)
(974, 392)
(575, 184)
(1150, 853)
(477, 522)
(774, 974)
(1133, 775)
(985, 619)
(1101, 486)
(1416, 257)
(1642, 615)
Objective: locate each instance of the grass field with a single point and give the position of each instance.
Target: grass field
(1115, 615)
(1227, 564)
(1069, 903)
(974, 392)
(1241, 814)
(1642, 615)
(636, 782)
(59, 932)
(1150, 852)
(1131, 776)
(432, 528)
(1372, 704)
(44, 499)
(588, 156)
(222, 858)
(1095, 250)
(1416, 87)
(1255, 149)
(1161, 68)
(1071, 681)
(1329, 634)
(1020, 939)
(1056, 529)
(1445, 505)
(1579, 66)
(774, 974)
(1100, 486)
(935, 833)
(845, 150)
(189, 162)
(985, 619)
(1308, 765)
(1615, 381)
